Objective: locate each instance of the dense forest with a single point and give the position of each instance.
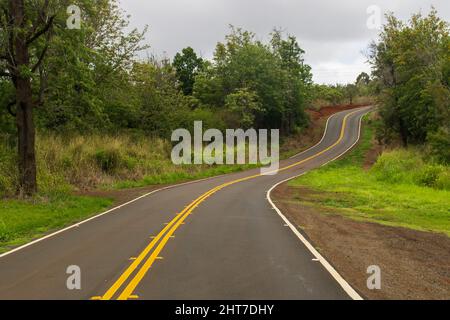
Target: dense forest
(87, 88)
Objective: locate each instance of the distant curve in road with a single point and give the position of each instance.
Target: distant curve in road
(217, 238)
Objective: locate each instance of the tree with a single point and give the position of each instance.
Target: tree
(87, 72)
(299, 78)
(363, 79)
(409, 67)
(350, 91)
(61, 78)
(275, 73)
(187, 66)
(25, 33)
(245, 105)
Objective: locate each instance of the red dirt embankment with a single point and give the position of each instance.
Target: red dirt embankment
(311, 135)
(327, 111)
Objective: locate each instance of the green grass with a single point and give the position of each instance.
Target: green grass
(345, 188)
(22, 221)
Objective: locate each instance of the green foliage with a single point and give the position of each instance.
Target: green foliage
(411, 70)
(443, 180)
(22, 221)
(83, 162)
(350, 92)
(440, 144)
(397, 166)
(187, 66)
(273, 74)
(8, 171)
(363, 79)
(108, 160)
(409, 167)
(87, 71)
(245, 105)
(332, 94)
(395, 192)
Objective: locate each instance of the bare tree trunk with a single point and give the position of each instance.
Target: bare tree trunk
(26, 134)
(24, 101)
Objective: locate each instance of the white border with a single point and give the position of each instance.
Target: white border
(344, 284)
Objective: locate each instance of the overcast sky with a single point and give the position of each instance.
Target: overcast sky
(333, 33)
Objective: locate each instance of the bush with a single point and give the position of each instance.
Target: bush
(443, 181)
(408, 167)
(440, 145)
(428, 175)
(109, 160)
(397, 166)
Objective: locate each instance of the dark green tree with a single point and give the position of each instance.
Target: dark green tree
(363, 79)
(350, 91)
(187, 65)
(274, 74)
(25, 35)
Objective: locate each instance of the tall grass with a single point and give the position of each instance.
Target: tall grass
(403, 188)
(409, 167)
(8, 171)
(67, 163)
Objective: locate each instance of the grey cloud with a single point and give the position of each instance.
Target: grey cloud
(333, 32)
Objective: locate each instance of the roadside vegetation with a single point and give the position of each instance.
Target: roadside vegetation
(100, 118)
(409, 183)
(403, 188)
(411, 75)
(89, 162)
(22, 221)
(103, 117)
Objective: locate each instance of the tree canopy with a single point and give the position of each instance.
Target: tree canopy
(410, 64)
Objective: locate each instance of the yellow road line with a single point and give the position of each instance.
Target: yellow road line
(172, 226)
(116, 286)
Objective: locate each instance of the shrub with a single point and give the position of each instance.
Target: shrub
(397, 166)
(109, 160)
(443, 181)
(428, 175)
(440, 145)
(408, 167)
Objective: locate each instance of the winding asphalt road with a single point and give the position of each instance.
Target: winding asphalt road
(219, 238)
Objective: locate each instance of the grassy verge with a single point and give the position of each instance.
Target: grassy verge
(68, 164)
(22, 221)
(400, 190)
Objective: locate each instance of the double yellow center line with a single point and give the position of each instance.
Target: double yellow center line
(147, 257)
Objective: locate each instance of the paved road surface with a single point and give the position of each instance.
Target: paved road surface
(228, 244)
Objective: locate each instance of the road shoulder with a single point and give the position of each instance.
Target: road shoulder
(414, 264)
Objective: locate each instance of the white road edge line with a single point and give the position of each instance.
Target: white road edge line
(340, 280)
(351, 147)
(321, 140)
(78, 224)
